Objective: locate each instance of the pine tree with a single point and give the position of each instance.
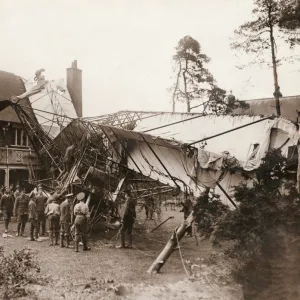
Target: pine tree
(262, 34)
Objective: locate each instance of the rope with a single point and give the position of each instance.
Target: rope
(183, 264)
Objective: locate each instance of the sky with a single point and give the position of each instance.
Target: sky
(125, 48)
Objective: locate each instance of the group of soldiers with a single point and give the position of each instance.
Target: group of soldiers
(36, 208)
(63, 216)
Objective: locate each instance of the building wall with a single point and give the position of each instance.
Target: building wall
(17, 158)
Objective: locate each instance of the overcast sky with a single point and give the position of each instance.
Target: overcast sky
(125, 47)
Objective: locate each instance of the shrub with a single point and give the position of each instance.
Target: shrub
(17, 270)
(263, 232)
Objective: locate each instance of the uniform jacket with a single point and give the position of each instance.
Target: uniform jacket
(40, 202)
(17, 193)
(21, 205)
(52, 209)
(32, 210)
(81, 209)
(129, 211)
(65, 212)
(7, 203)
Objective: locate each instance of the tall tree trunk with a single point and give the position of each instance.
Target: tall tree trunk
(274, 63)
(187, 99)
(176, 86)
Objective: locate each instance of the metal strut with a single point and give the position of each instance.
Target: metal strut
(157, 157)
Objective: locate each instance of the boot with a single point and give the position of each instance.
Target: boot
(76, 246)
(31, 235)
(67, 241)
(84, 242)
(51, 239)
(62, 241)
(122, 245)
(129, 240)
(56, 238)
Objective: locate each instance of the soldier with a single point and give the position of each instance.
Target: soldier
(17, 192)
(149, 208)
(52, 212)
(65, 220)
(41, 201)
(6, 207)
(187, 209)
(82, 215)
(50, 199)
(128, 219)
(59, 194)
(21, 210)
(33, 218)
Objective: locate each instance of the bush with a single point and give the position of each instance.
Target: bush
(17, 270)
(264, 233)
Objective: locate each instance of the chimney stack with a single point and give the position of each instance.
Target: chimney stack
(74, 85)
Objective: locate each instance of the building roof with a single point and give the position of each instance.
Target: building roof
(11, 85)
(265, 107)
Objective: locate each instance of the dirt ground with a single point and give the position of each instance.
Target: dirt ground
(109, 273)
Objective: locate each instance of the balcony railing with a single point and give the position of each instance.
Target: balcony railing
(18, 156)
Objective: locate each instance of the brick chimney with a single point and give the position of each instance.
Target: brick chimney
(74, 85)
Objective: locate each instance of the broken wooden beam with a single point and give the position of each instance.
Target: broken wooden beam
(177, 235)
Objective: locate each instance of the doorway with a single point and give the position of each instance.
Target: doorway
(18, 177)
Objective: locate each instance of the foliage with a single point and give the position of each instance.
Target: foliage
(290, 19)
(17, 270)
(194, 83)
(268, 212)
(208, 210)
(262, 34)
(193, 78)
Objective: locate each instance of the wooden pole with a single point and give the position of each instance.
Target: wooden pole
(172, 243)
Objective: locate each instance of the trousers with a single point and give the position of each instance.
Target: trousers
(127, 226)
(41, 222)
(7, 217)
(22, 220)
(81, 224)
(53, 225)
(33, 228)
(65, 229)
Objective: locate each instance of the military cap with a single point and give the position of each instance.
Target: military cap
(80, 196)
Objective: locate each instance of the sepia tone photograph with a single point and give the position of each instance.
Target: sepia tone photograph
(150, 149)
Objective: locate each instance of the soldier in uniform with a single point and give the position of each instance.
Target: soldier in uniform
(7, 207)
(50, 199)
(52, 212)
(21, 210)
(148, 204)
(33, 218)
(128, 219)
(17, 192)
(65, 220)
(82, 215)
(41, 201)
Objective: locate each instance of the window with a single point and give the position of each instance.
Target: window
(20, 138)
(292, 153)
